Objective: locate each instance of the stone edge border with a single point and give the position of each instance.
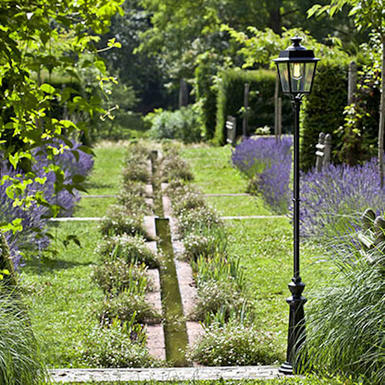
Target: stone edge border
(165, 374)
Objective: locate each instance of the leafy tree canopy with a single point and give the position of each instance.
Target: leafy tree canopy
(40, 40)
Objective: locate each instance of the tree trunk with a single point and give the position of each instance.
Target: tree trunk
(382, 119)
(183, 93)
(275, 17)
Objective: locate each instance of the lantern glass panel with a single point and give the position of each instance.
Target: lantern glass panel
(283, 71)
(309, 75)
(301, 76)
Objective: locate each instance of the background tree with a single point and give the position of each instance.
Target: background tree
(369, 15)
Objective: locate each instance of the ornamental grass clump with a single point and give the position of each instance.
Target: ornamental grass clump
(132, 249)
(117, 276)
(218, 296)
(345, 318)
(332, 199)
(20, 360)
(267, 162)
(126, 306)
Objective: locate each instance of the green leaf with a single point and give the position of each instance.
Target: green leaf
(47, 88)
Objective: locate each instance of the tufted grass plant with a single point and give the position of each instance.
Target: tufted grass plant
(117, 276)
(345, 320)
(126, 306)
(20, 361)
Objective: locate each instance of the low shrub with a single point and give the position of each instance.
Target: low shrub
(218, 296)
(197, 220)
(204, 244)
(135, 204)
(183, 124)
(233, 343)
(191, 200)
(174, 167)
(334, 198)
(267, 163)
(133, 249)
(136, 172)
(118, 222)
(117, 346)
(117, 276)
(126, 306)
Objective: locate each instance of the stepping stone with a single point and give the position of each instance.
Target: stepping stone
(163, 186)
(155, 341)
(167, 210)
(149, 202)
(152, 246)
(149, 226)
(149, 190)
(194, 331)
(149, 167)
(154, 297)
(187, 287)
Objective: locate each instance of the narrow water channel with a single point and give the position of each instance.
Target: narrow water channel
(175, 330)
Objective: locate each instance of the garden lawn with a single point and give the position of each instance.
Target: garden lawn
(61, 294)
(264, 246)
(105, 179)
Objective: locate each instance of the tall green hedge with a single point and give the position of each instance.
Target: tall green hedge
(261, 101)
(323, 109)
(206, 93)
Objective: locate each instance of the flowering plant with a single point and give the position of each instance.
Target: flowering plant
(267, 162)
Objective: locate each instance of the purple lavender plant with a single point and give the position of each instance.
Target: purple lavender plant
(34, 217)
(268, 163)
(333, 199)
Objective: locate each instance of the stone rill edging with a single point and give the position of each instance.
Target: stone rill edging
(165, 374)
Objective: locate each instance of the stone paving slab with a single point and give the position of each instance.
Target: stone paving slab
(165, 374)
(99, 196)
(254, 217)
(155, 341)
(75, 219)
(149, 226)
(149, 190)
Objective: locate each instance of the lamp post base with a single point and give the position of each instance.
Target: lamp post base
(286, 368)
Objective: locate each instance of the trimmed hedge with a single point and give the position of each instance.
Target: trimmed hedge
(261, 101)
(323, 109)
(206, 93)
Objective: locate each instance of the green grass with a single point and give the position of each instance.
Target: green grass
(212, 169)
(106, 175)
(61, 295)
(105, 179)
(93, 207)
(238, 205)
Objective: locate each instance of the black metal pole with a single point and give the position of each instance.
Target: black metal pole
(296, 333)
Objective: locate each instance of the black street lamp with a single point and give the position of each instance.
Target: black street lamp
(296, 67)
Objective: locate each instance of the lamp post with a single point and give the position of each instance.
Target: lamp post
(296, 68)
